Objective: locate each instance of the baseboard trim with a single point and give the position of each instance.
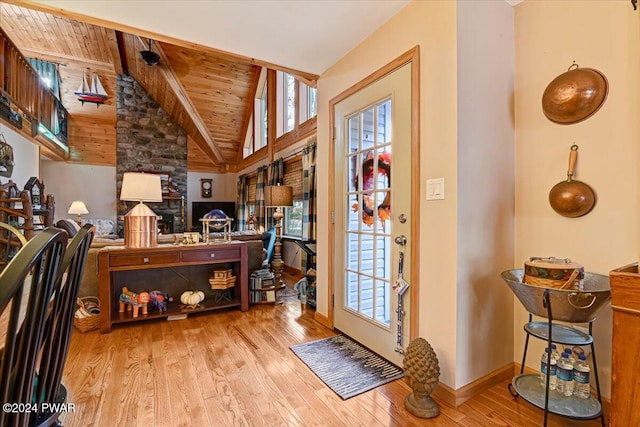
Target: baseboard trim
(458, 397)
(323, 320)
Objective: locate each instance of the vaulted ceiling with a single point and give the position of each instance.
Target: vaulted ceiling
(207, 92)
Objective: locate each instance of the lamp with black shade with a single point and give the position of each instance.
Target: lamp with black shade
(141, 223)
(78, 208)
(278, 196)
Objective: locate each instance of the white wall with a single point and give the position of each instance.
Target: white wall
(601, 35)
(486, 182)
(94, 185)
(26, 156)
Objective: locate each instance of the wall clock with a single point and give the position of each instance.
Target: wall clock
(205, 187)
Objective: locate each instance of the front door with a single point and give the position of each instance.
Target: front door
(372, 194)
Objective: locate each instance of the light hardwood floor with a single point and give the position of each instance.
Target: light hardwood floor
(236, 369)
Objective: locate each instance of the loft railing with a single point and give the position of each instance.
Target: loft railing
(23, 86)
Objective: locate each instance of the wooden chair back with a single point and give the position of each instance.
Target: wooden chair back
(27, 282)
(59, 324)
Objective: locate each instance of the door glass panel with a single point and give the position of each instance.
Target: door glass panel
(366, 296)
(368, 191)
(382, 301)
(354, 134)
(353, 249)
(353, 217)
(352, 173)
(384, 122)
(368, 134)
(352, 291)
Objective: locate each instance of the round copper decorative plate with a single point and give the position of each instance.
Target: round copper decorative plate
(575, 95)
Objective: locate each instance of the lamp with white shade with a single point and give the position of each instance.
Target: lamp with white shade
(78, 208)
(140, 223)
(278, 196)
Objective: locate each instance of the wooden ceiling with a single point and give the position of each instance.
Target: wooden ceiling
(208, 93)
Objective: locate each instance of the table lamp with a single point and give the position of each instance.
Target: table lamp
(278, 196)
(141, 223)
(78, 208)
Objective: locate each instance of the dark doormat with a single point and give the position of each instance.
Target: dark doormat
(346, 366)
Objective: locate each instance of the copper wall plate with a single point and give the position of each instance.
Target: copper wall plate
(575, 95)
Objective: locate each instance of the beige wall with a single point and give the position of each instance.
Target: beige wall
(486, 144)
(432, 26)
(467, 126)
(25, 156)
(601, 35)
(223, 190)
(95, 185)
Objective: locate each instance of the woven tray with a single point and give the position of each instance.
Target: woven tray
(83, 319)
(226, 283)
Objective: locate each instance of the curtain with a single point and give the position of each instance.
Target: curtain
(241, 210)
(49, 71)
(309, 191)
(261, 173)
(276, 172)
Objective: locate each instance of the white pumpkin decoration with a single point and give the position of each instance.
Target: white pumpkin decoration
(192, 298)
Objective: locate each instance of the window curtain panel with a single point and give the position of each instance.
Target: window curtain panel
(241, 203)
(276, 174)
(49, 71)
(261, 173)
(309, 192)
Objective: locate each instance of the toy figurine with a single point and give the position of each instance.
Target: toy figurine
(159, 300)
(135, 300)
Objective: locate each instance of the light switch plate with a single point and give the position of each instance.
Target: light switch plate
(435, 189)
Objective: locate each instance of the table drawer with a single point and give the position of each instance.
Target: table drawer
(144, 259)
(211, 255)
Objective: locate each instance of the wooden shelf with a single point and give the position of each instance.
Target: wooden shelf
(168, 268)
(260, 295)
(174, 309)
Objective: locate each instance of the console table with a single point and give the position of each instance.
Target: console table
(168, 268)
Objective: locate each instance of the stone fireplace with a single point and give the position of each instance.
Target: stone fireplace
(148, 140)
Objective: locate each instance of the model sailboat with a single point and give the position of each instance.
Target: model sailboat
(93, 93)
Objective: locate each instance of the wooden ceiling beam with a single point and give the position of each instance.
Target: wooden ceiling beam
(174, 83)
(62, 59)
(115, 37)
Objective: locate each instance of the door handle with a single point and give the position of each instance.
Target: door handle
(400, 240)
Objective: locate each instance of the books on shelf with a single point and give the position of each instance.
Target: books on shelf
(262, 273)
(262, 283)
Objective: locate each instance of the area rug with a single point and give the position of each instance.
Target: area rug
(347, 367)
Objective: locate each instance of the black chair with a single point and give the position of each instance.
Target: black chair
(58, 327)
(27, 283)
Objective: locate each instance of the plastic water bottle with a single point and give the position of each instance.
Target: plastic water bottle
(572, 357)
(548, 370)
(565, 375)
(581, 374)
(554, 352)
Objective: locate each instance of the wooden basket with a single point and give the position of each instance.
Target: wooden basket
(225, 283)
(88, 321)
(553, 273)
